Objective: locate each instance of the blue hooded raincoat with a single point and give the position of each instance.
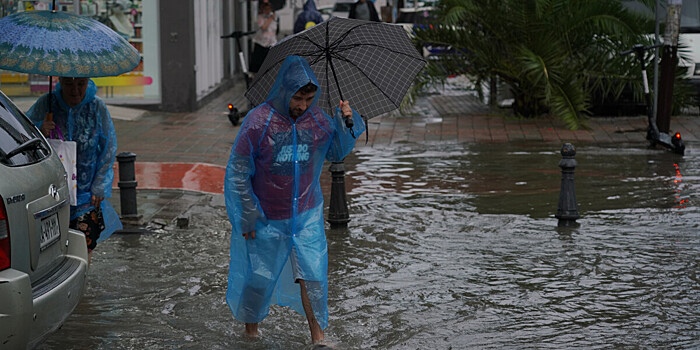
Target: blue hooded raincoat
(272, 186)
(310, 14)
(89, 124)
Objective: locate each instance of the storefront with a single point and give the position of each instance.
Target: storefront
(184, 59)
(136, 21)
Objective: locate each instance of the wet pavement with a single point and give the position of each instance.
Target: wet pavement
(450, 245)
(189, 151)
(471, 186)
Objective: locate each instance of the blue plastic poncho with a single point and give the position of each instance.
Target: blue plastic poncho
(89, 124)
(310, 14)
(272, 186)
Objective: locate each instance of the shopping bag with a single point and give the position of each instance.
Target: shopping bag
(66, 151)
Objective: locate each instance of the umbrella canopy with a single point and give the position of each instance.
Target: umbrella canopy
(63, 44)
(370, 64)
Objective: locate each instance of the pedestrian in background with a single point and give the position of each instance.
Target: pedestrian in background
(275, 204)
(265, 37)
(81, 116)
(364, 10)
(307, 18)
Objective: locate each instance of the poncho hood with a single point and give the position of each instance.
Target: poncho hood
(90, 94)
(294, 74)
(310, 5)
(310, 16)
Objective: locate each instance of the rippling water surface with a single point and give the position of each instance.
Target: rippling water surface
(449, 246)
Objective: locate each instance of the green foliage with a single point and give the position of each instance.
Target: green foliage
(552, 53)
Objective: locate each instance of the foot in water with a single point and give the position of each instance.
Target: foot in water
(251, 330)
(323, 345)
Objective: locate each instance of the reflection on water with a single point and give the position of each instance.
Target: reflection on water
(449, 246)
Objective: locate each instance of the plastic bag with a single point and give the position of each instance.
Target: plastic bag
(66, 151)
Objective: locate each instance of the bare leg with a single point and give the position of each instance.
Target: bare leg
(316, 331)
(251, 329)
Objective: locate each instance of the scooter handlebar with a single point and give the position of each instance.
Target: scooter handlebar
(640, 48)
(237, 34)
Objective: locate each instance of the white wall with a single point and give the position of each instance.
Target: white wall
(151, 48)
(208, 28)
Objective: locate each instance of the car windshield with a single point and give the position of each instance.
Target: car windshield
(20, 141)
(690, 16)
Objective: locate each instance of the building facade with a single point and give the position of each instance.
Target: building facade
(184, 63)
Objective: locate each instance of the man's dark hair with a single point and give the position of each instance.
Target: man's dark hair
(308, 88)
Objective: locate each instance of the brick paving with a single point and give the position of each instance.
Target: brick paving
(206, 136)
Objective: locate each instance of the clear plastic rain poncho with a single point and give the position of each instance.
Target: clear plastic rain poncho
(272, 186)
(90, 126)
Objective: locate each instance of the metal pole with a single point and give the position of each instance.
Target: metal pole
(127, 185)
(493, 93)
(338, 215)
(657, 40)
(567, 210)
(669, 61)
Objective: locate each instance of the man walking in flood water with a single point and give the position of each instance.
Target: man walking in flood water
(275, 204)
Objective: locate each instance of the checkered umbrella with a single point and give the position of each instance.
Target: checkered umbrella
(370, 64)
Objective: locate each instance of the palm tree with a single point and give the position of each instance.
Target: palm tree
(552, 53)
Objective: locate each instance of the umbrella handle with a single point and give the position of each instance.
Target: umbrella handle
(349, 123)
(49, 118)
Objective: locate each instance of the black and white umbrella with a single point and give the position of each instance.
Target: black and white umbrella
(370, 64)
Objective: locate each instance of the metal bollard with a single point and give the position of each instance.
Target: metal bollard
(338, 215)
(127, 185)
(567, 211)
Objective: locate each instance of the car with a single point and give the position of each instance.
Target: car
(43, 263)
(342, 9)
(416, 16)
(411, 18)
(326, 12)
(429, 3)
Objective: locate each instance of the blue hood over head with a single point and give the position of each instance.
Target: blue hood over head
(90, 94)
(310, 5)
(294, 74)
(310, 14)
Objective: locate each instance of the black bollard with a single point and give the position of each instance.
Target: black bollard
(338, 215)
(127, 185)
(567, 211)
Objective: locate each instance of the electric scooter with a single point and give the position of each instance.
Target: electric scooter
(655, 137)
(233, 113)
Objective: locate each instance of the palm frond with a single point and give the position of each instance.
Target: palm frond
(552, 53)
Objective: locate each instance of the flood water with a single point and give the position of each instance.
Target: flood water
(450, 246)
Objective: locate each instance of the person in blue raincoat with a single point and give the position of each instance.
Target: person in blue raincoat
(307, 18)
(274, 200)
(81, 116)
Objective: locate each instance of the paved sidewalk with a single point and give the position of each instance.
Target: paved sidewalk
(206, 136)
(181, 157)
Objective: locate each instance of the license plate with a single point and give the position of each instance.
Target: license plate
(50, 231)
